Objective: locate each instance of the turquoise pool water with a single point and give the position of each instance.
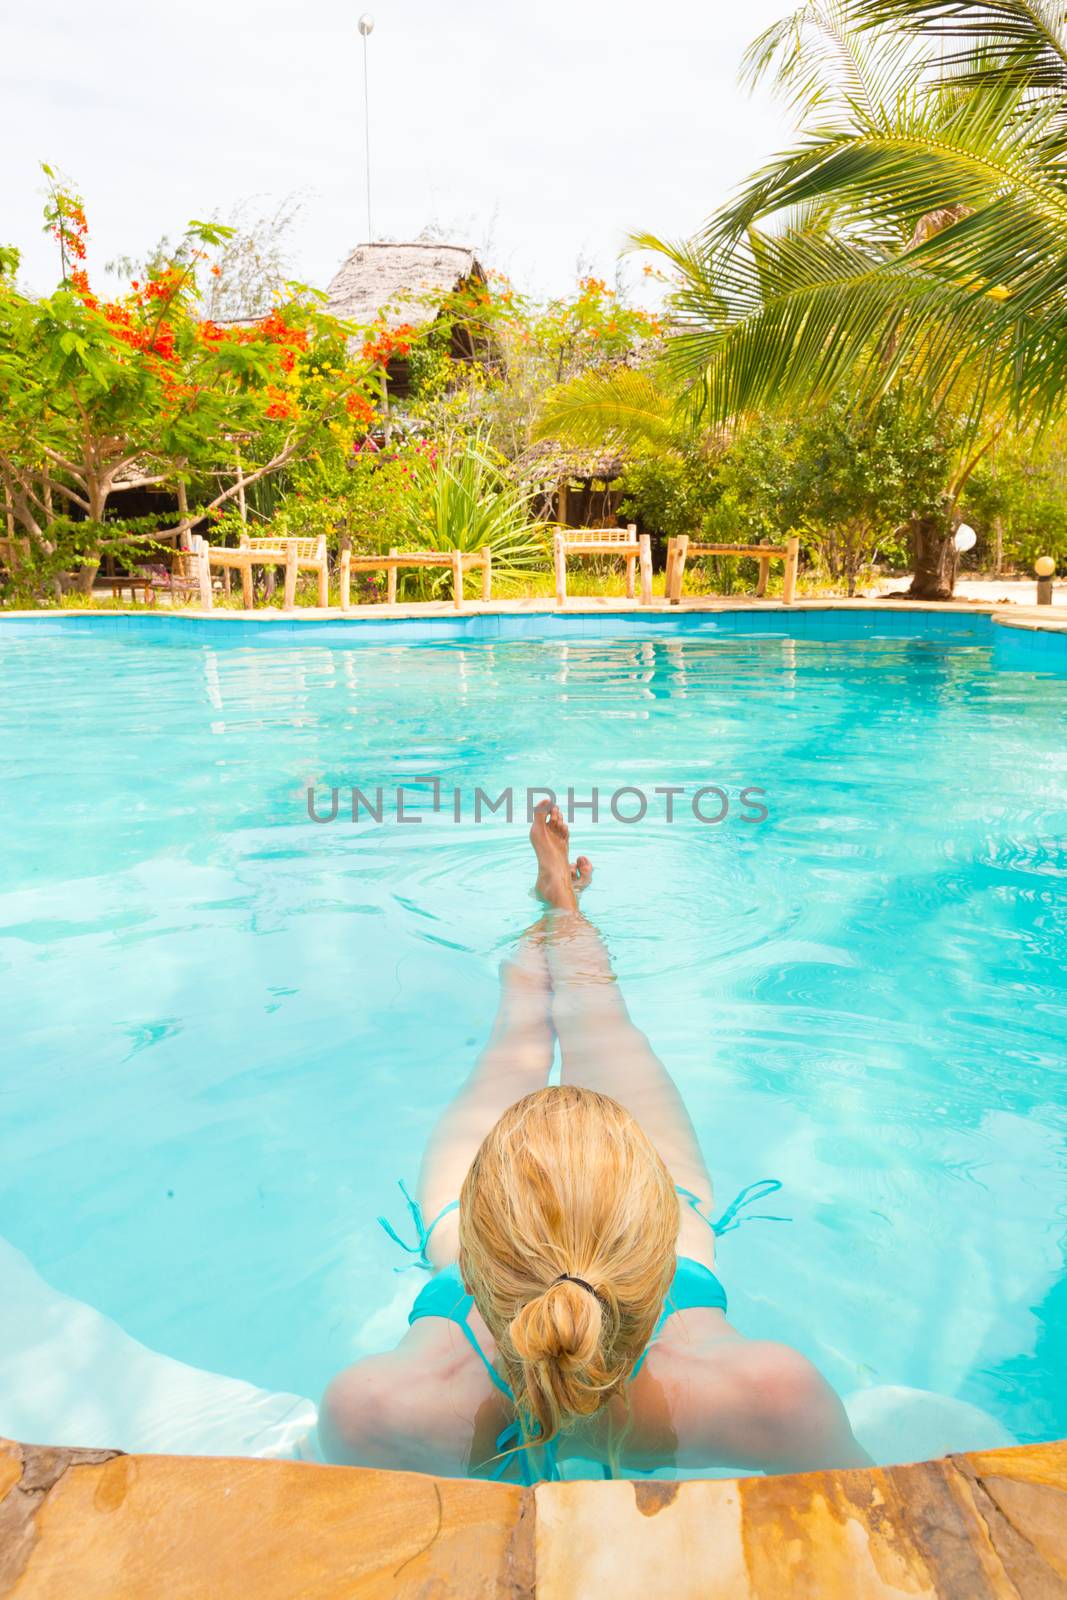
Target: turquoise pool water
(228, 1030)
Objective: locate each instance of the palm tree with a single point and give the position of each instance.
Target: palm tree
(914, 239)
(940, 175)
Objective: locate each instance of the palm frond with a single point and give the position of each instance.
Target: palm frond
(621, 407)
(940, 152)
(821, 63)
(1023, 40)
(809, 316)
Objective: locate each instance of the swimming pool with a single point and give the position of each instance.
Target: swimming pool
(230, 1028)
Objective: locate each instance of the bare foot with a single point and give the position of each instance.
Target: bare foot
(558, 883)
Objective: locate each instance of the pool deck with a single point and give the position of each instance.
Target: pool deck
(98, 1525)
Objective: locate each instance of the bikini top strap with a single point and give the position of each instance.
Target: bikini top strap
(510, 1447)
(731, 1217)
(512, 1443)
(729, 1220)
(494, 1377)
(422, 1232)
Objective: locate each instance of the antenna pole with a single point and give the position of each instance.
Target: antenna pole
(366, 28)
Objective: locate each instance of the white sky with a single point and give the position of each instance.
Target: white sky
(542, 132)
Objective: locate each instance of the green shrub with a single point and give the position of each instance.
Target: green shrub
(461, 500)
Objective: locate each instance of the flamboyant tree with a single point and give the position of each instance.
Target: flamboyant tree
(141, 391)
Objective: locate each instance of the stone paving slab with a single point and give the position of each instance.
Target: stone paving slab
(104, 1526)
(978, 1527)
(79, 1525)
(1042, 617)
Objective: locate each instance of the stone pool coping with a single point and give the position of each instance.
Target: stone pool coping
(1045, 618)
(99, 1525)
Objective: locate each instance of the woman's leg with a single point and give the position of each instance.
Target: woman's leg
(516, 1060)
(600, 1048)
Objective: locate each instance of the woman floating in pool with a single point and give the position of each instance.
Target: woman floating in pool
(574, 1309)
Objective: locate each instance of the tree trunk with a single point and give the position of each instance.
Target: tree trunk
(96, 492)
(934, 559)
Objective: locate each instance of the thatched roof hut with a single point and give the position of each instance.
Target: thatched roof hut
(550, 463)
(576, 485)
(399, 283)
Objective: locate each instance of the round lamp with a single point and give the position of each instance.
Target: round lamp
(1044, 566)
(965, 538)
(366, 24)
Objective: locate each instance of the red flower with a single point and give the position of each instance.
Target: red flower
(163, 343)
(280, 407)
(275, 328)
(79, 282)
(359, 408)
(390, 342)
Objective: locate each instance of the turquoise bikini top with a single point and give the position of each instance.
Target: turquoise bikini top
(693, 1286)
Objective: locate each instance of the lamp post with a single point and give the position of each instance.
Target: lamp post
(963, 539)
(366, 28)
(1045, 567)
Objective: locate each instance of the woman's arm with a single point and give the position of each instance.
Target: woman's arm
(357, 1425)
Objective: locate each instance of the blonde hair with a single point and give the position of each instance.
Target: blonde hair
(567, 1182)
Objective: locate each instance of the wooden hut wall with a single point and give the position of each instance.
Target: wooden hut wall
(590, 503)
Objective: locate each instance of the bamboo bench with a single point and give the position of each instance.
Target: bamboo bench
(295, 555)
(604, 542)
(460, 561)
(682, 547)
(133, 581)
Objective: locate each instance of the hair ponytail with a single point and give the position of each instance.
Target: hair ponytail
(557, 1341)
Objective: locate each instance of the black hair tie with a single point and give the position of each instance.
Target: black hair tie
(568, 1277)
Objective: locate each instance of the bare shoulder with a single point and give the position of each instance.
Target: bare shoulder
(414, 1408)
(350, 1411)
(752, 1403)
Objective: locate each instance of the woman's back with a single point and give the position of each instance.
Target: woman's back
(704, 1397)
